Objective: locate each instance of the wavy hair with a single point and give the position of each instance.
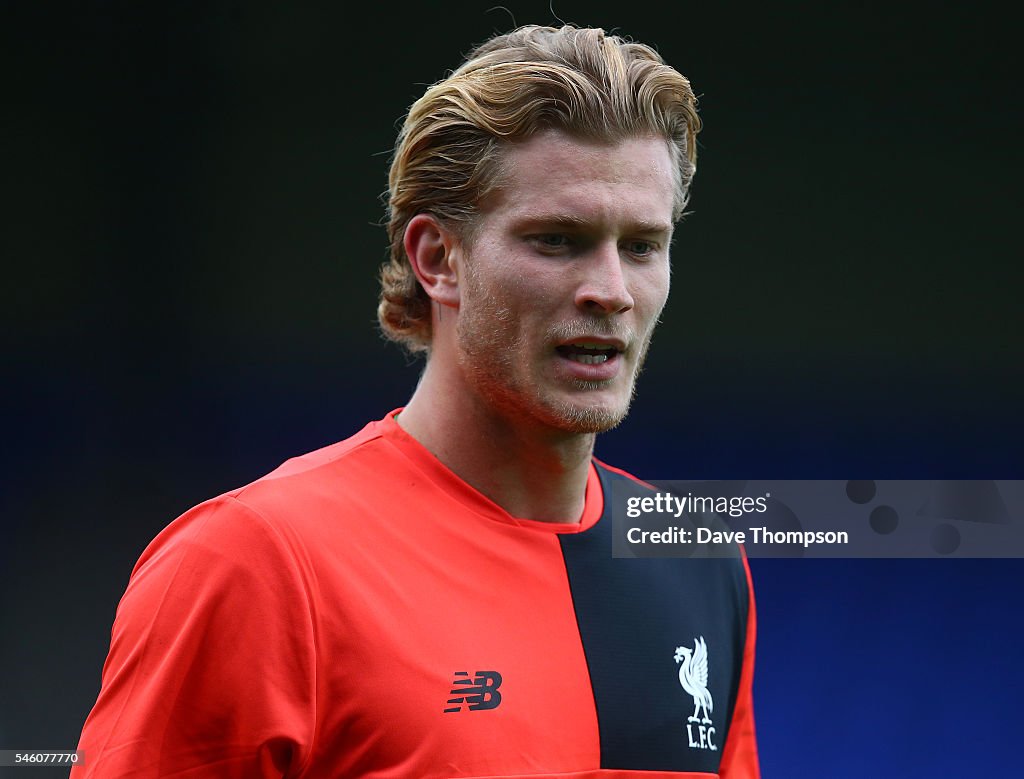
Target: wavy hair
(448, 154)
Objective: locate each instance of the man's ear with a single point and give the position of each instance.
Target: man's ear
(434, 252)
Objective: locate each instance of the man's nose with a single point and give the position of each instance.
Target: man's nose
(603, 290)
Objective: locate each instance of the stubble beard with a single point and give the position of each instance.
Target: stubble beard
(487, 352)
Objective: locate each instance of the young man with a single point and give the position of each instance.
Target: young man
(436, 596)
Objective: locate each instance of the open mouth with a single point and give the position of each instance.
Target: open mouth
(587, 353)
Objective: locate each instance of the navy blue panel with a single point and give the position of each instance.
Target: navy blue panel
(632, 615)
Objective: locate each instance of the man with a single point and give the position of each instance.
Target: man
(436, 596)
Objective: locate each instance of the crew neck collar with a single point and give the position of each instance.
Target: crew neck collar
(447, 480)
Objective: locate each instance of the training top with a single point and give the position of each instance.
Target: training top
(363, 612)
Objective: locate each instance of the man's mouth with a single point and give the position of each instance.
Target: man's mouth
(587, 352)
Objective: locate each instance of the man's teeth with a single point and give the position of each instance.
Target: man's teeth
(589, 359)
(594, 352)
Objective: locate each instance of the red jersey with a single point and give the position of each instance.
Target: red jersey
(363, 612)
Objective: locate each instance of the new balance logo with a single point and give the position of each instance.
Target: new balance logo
(477, 693)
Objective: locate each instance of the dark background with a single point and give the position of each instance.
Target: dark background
(189, 247)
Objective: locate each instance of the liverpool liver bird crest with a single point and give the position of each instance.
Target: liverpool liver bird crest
(693, 675)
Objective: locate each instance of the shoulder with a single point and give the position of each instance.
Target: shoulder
(610, 475)
(666, 520)
(343, 478)
(269, 516)
(619, 488)
(359, 462)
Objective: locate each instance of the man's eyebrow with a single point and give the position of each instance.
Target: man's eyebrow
(573, 221)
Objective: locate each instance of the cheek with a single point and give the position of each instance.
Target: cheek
(653, 292)
(494, 269)
(529, 289)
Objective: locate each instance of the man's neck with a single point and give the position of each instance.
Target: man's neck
(531, 471)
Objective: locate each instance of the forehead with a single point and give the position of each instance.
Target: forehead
(632, 178)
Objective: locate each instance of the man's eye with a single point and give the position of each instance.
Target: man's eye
(552, 241)
(641, 248)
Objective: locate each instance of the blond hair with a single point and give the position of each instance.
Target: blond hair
(448, 154)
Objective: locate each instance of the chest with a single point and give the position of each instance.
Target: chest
(487, 654)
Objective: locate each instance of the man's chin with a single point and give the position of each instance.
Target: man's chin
(582, 418)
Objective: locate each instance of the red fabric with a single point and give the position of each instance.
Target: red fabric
(261, 635)
(739, 757)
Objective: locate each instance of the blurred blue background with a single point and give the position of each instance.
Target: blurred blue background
(189, 251)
